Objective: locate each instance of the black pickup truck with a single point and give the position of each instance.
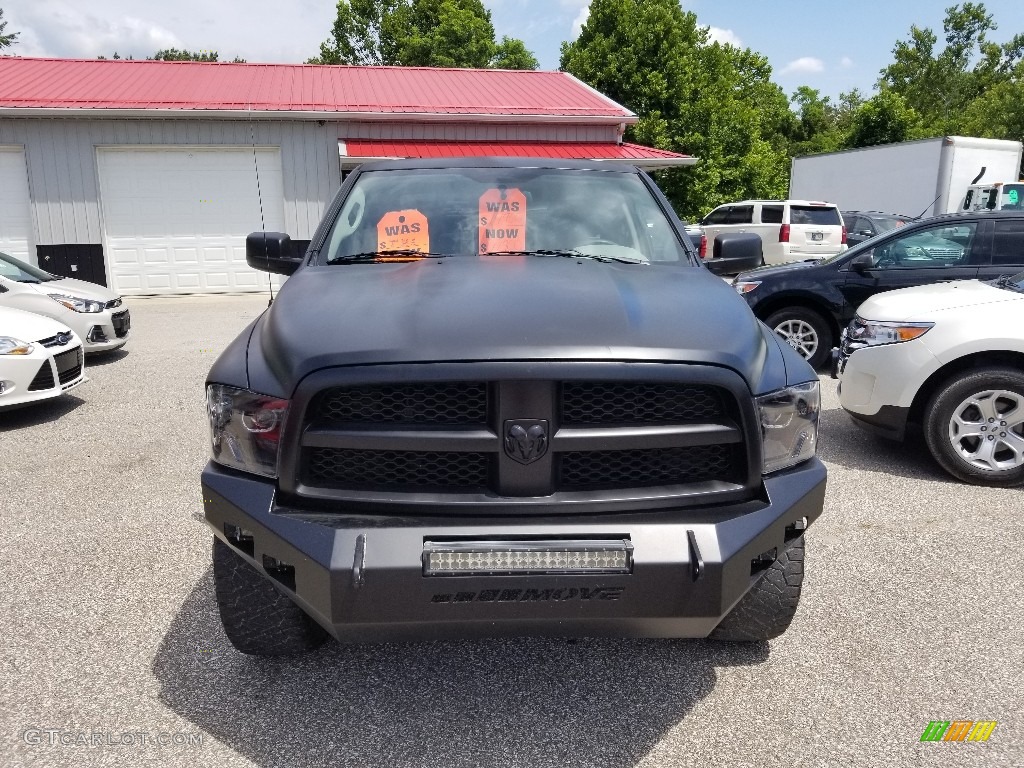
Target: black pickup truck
(505, 397)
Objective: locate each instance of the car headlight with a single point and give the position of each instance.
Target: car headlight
(745, 286)
(245, 428)
(77, 304)
(12, 346)
(789, 425)
(869, 334)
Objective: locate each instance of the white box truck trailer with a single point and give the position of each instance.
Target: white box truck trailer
(925, 177)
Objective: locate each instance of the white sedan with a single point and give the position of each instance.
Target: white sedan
(39, 358)
(95, 313)
(950, 357)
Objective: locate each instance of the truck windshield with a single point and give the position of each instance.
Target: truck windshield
(501, 213)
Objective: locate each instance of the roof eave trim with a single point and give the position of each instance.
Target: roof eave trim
(286, 114)
(647, 163)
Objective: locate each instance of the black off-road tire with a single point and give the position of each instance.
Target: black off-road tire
(815, 321)
(940, 411)
(768, 608)
(258, 619)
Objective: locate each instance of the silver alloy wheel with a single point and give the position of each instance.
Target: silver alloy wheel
(987, 430)
(800, 335)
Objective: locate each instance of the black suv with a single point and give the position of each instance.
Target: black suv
(863, 225)
(808, 303)
(499, 397)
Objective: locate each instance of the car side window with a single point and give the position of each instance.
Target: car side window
(717, 216)
(942, 245)
(1008, 243)
(740, 214)
(771, 214)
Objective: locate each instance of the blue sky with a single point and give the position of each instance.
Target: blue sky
(829, 46)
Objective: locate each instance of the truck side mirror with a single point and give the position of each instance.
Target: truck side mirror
(736, 252)
(861, 264)
(271, 252)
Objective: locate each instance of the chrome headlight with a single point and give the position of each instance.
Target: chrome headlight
(12, 346)
(745, 286)
(76, 303)
(789, 425)
(868, 333)
(245, 428)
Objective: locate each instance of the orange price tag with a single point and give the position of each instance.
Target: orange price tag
(502, 221)
(403, 230)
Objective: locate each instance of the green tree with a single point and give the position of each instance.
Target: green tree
(692, 96)
(8, 39)
(175, 54)
(426, 33)
(884, 119)
(940, 85)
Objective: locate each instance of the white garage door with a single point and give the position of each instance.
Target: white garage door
(175, 220)
(15, 222)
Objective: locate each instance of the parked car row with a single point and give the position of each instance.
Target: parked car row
(929, 322)
(47, 326)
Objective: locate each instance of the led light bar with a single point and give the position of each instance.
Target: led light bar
(482, 558)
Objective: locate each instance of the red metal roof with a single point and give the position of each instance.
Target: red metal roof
(41, 84)
(646, 157)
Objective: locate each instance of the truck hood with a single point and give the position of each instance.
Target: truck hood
(531, 308)
(924, 301)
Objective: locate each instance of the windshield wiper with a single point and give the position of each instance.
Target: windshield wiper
(1004, 281)
(404, 254)
(568, 254)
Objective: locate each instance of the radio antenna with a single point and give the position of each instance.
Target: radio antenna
(259, 194)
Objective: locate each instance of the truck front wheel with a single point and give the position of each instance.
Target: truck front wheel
(258, 619)
(768, 608)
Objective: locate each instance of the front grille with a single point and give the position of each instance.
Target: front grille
(455, 438)
(113, 304)
(69, 365)
(449, 403)
(644, 468)
(44, 379)
(638, 403)
(55, 341)
(122, 323)
(407, 471)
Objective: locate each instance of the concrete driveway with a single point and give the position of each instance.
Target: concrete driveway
(112, 652)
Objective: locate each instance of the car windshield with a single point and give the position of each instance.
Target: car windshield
(20, 272)
(400, 215)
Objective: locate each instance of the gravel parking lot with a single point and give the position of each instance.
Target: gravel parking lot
(912, 612)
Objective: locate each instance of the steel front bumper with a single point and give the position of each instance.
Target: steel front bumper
(362, 577)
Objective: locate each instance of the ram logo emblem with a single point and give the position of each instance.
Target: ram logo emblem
(526, 440)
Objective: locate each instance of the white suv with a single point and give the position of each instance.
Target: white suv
(949, 356)
(790, 230)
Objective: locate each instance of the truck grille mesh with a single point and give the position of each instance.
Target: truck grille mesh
(451, 438)
(640, 468)
(638, 403)
(449, 403)
(396, 470)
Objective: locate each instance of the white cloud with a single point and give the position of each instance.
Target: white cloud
(724, 36)
(580, 20)
(57, 28)
(803, 65)
(846, 62)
